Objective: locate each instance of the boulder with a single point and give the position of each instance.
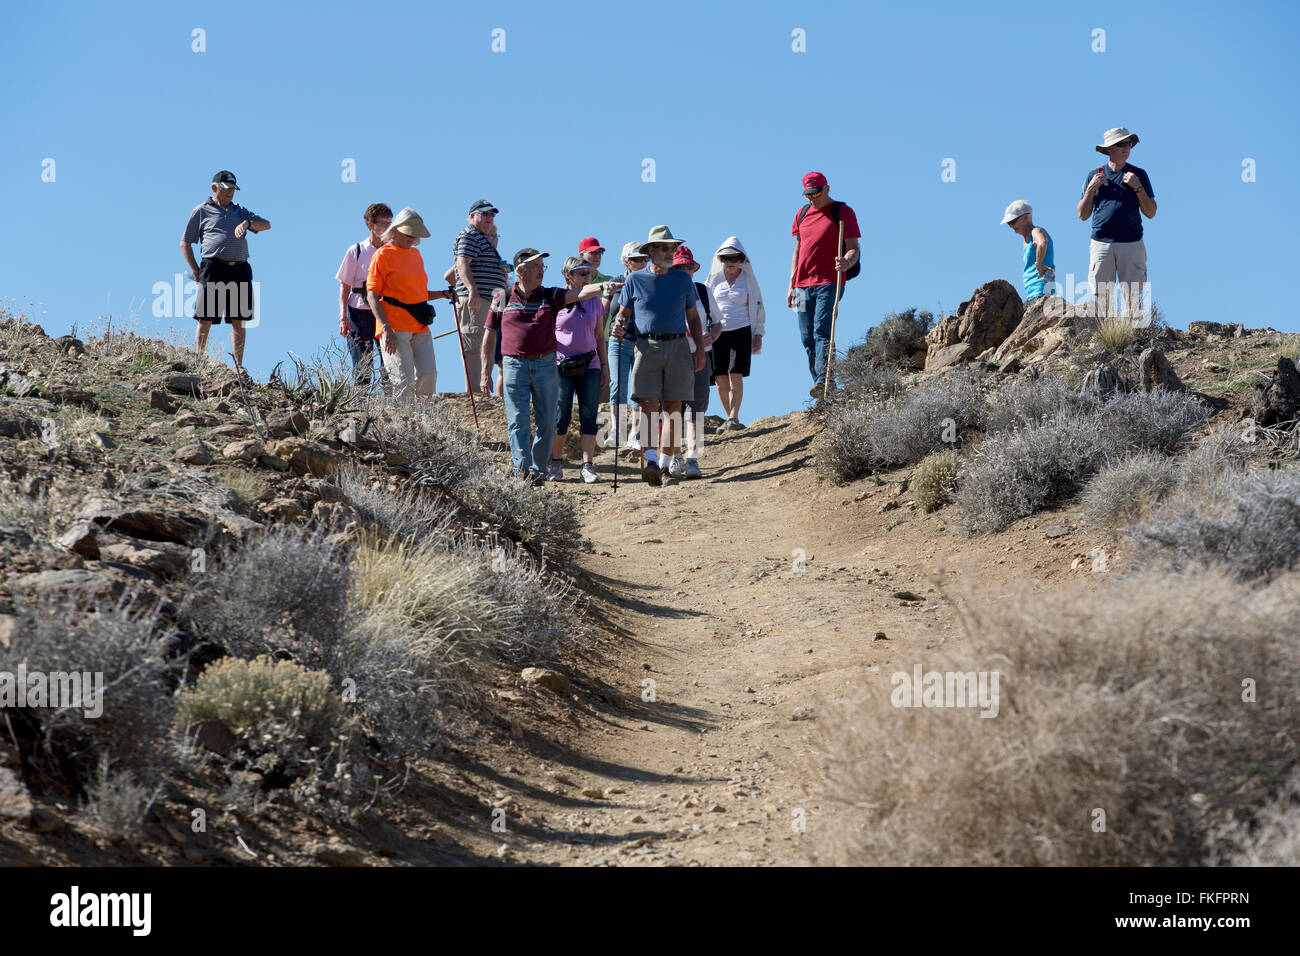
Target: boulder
(167, 561)
(94, 586)
(70, 345)
(1155, 371)
(145, 521)
(161, 401)
(219, 385)
(15, 802)
(16, 424)
(1041, 316)
(19, 385)
(552, 680)
(307, 457)
(67, 394)
(186, 417)
(1103, 381)
(286, 421)
(195, 453)
(8, 630)
(337, 516)
(1278, 401)
(284, 509)
(248, 449)
(983, 322)
(182, 383)
(81, 539)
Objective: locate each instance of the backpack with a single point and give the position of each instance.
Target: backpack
(835, 215)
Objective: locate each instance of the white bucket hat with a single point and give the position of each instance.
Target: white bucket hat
(1114, 137)
(1016, 210)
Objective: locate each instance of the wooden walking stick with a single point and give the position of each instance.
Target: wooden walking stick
(455, 314)
(835, 311)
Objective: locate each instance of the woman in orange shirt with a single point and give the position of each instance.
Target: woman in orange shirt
(397, 288)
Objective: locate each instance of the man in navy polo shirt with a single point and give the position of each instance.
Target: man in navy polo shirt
(225, 278)
(1117, 196)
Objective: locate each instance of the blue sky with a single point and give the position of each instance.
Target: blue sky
(555, 129)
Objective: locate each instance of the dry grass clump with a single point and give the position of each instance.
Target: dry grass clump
(117, 803)
(410, 512)
(1033, 401)
(864, 434)
(1116, 334)
(1288, 346)
(935, 480)
(1272, 838)
(1130, 702)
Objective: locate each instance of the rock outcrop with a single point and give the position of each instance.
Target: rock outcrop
(981, 323)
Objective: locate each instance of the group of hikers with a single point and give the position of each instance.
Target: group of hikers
(653, 335)
(1115, 197)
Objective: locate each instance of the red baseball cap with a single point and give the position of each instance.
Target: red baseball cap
(684, 257)
(814, 181)
(591, 242)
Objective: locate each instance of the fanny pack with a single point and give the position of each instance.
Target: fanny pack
(422, 312)
(576, 366)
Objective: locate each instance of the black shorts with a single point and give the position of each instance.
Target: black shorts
(731, 352)
(225, 290)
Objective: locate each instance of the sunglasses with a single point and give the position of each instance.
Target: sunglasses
(732, 258)
(813, 194)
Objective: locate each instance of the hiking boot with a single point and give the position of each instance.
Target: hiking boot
(589, 472)
(693, 468)
(671, 479)
(736, 426)
(556, 472)
(675, 467)
(819, 388)
(650, 473)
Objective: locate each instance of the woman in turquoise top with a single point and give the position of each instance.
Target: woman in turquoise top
(1039, 262)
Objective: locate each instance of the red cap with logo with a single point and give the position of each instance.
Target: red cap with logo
(814, 181)
(684, 257)
(591, 242)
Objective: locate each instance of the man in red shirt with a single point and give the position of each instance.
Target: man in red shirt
(814, 266)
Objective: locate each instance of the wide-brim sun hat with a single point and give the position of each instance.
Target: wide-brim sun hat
(408, 223)
(1016, 210)
(660, 234)
(1114, 137)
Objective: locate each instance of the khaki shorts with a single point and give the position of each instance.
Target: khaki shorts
(664, 370)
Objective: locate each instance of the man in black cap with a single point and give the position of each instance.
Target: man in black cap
(225, 278)
(480, 272)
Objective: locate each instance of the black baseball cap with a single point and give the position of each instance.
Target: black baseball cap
(528, 255)
(482, 204)
(224, 178)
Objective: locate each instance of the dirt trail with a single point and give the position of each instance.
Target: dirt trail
(746, 604)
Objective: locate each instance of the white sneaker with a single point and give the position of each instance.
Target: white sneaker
(693, 468)
(634, 441)
(556, 472)
(676, 467)
(589, 472)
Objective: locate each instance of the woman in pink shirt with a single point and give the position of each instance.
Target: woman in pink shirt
(579, 331)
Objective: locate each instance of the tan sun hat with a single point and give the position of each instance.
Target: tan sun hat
(409, 223)
(1114, 137)
(631, 249)
(660, 234)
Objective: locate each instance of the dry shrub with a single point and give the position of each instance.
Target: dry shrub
(897, 336)
(1124, 489)
(1271, 839)
(1248, 521)
(1116, 334)
(1128, 701)
(410, 512)
(934, 480)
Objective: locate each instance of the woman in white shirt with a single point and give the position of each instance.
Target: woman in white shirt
(737, 324)
(356, 321)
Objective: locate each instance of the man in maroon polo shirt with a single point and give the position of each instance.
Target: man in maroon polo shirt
(524, 314)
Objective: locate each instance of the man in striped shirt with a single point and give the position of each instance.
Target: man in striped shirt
(480, 271)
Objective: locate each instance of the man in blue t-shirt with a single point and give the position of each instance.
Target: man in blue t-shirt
(661, 302)
(1117, 196)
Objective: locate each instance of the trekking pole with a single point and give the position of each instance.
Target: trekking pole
(613, 411)
(835, 311)
(455, 314)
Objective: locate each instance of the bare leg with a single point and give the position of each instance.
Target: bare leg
(237, 342)
(724, 393)
(558, 451)
(201, 338)
(737, 393)
(649, 407)
(588, 448)
(668, 437)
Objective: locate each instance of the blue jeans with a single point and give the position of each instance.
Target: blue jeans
(622, 353)
(536, 381)
(813, 305)
(361, 346)
(588, 391)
